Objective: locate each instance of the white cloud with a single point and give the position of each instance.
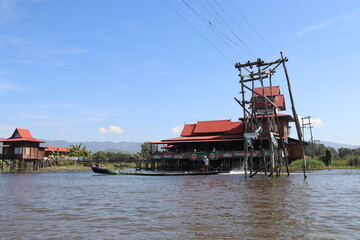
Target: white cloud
(8, 10)
(111, 129)
(313, 28)
(6, 86)
(162, 73)
(11, 40)
(36, 116)
(178, 129)
(337, 23)
(316, 122)
(54, 123)
(67, 51)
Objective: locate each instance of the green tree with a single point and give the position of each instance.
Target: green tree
(100, 156)
(79, 151)
(56, 156)
(145, 151)
(327, 158)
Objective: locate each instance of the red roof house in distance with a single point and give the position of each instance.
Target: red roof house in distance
(49, 150)
(22, 145)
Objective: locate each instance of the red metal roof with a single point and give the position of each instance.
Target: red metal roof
(267, 91)
(215, 138)
(236, 128)
(21, 134)
(212, 126)
(215, 127)
(188, 130)
(221, 130)
(60, 149)
(279, 102)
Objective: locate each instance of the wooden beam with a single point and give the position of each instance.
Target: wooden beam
(254, 79)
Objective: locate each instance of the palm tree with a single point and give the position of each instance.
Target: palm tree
(77, 151)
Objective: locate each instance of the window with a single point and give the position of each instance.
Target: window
(18, 150)
(27, 150)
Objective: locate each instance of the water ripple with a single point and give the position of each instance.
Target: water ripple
(85, 206)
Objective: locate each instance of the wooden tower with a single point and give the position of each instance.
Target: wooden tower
(261, 103)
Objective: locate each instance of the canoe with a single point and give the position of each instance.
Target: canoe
(118, 172)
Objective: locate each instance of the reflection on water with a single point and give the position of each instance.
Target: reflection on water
(84, 205)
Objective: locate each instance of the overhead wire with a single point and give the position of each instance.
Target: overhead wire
(195, 29)
(252, 27)
(226, 25)
(208, 23)
(239, 26)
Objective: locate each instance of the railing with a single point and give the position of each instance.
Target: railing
(210, 155)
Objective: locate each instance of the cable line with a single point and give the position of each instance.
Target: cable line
(194, 28)
(243, 29)
(243, 17)
(208, 23)
(229, 28)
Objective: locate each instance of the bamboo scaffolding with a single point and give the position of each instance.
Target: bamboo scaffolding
(253, 118)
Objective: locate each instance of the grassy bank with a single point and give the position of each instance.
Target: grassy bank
(79, 167)
(66, 167)
(315, 164)
(311, 164)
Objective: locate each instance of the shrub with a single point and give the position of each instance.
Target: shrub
(314, 164)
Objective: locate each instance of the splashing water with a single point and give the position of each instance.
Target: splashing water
(237, 171)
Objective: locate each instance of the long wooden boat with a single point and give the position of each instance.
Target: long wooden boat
(117, 172)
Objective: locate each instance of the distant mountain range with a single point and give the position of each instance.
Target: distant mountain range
(133, 147)
(339, 145)
(125, 147)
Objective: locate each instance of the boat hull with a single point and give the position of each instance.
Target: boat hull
(114, 172)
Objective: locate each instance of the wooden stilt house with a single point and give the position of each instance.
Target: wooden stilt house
(222, 141)
(22, 151)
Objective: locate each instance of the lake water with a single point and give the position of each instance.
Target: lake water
(84, 205)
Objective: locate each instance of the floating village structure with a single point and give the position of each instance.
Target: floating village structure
(259, 141)
(22, 152)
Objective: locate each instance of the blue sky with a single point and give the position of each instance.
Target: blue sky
(137, 71)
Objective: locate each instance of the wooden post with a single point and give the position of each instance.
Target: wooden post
(297, 124)
(245, 124)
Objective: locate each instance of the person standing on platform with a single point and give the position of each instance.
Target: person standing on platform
(206, 163)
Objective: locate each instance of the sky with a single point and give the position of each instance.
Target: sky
(139, 70)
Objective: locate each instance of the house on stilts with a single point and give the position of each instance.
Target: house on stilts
(222, 142)
(258, 141)
(22, 152)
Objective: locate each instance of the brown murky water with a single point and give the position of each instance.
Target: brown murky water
(84, 205)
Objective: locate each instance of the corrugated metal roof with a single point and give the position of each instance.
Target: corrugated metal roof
(216, 126)
(215, 138)
(236, 128)
(21, 134)
(267, 91)
(279, 102)
(188, 130)
(220, 130)
(60, 149)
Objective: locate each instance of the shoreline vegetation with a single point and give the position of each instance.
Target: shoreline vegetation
(74, 167)
(312, 165)
(324, 158)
